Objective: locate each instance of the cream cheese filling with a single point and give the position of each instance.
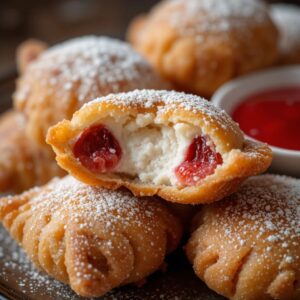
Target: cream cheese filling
(151, 149)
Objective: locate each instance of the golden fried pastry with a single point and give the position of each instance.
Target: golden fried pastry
(175, 145)
(90, 238)
(247, 247)
(66, 76)
(287, 19)
(22, 165)
(201, 44)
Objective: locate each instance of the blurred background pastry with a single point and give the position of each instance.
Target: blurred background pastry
(22, 164)
(287, 19)
(201, 44)
(56, 83)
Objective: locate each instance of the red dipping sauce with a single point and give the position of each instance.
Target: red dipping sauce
(272, 116)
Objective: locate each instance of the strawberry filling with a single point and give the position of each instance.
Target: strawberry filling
(97, 149)
(201, 160)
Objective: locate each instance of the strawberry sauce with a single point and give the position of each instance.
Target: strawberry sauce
(272, 116)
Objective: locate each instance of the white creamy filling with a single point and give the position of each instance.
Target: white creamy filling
(152, 150)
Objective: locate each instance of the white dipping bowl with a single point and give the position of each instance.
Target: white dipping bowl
(231, 94)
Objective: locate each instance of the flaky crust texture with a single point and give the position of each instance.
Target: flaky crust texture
(22, 165)
(241, 158)
(201, 44)
(91, 238)
(247, 247)
(70, 74)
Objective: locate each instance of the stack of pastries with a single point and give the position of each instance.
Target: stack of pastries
(142, 157)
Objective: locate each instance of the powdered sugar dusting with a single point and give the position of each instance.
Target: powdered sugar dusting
(88, 67)
(267, 208)
(249, 242)
(198, 17)
(165, 101)
(287, 18)
(87, 205)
